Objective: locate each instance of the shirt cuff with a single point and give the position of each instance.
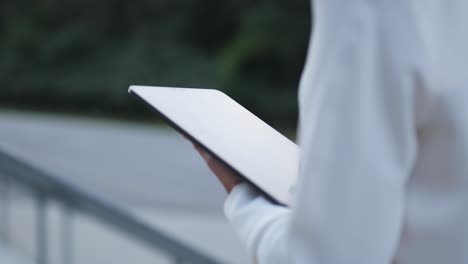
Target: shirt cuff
(242, 193)
(250, 213)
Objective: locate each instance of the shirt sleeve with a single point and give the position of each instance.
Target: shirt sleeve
(358, 145)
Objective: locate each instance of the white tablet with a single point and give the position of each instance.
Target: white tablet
(231, 134)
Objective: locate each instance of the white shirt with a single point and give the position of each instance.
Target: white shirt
(384, 141)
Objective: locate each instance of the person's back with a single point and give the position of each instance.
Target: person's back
(384, 141)
(435, 228)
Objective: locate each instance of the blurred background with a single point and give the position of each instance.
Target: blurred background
(90, 175)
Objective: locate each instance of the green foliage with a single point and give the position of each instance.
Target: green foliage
(82, 55)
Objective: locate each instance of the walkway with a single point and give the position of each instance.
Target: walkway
(150, 170)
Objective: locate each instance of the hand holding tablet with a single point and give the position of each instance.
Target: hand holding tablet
(231, 135)
(228, 178)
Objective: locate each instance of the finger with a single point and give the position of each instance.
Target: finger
(198, 148)
(203, 153)
(206, 156)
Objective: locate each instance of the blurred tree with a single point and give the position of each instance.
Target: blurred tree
(82, 55)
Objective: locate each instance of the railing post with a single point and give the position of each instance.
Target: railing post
(5, 208)
(42, 246)
(67, 237)
(45, 187)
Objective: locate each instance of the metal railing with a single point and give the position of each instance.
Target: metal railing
(46, 187)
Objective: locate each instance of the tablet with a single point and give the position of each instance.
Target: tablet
(231, 134)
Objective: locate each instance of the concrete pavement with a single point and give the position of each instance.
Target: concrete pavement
(149, 170)
(8, 255)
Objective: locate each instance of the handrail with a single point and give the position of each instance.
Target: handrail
(46, 187)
